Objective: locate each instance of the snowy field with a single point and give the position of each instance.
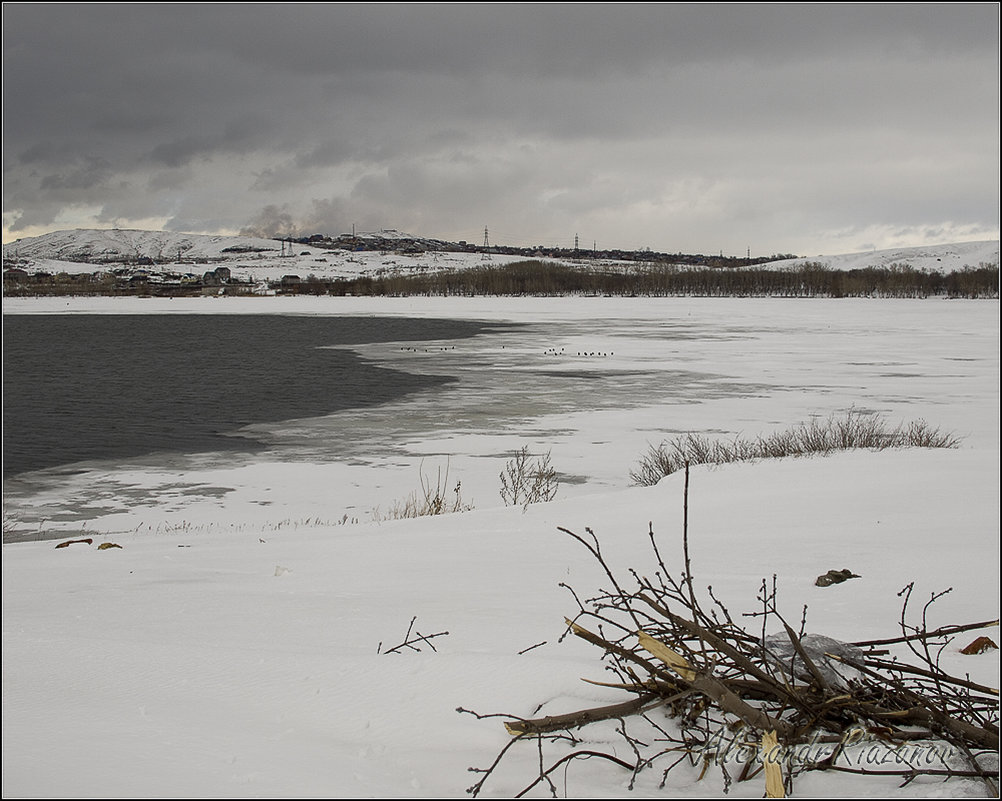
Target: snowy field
(234, 646)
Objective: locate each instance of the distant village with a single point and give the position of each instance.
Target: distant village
(412, 245)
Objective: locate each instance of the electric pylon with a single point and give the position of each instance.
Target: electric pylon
(486, 254)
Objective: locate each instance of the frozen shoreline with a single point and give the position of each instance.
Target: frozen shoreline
(593, 381)
(229, 648)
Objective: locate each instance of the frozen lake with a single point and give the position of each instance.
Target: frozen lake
(91, 387)
(592, 381)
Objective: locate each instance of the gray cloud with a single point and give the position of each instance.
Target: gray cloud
(692, 127)
(89, 176)
(271, 221)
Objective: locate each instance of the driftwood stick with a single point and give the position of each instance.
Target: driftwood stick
(902, 668)
(729, 701)
(942, 631)
(959, 774)
(687, 579)
(575, 720)
(934, 718)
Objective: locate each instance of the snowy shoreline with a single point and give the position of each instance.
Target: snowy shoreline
(594, 380)
(229, 648)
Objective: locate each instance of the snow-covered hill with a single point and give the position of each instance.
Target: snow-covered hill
(387, 251)
(118, 244)
(249, 258)
(941, 258)
(106, 246)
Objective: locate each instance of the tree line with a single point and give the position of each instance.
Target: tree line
(534, 277)
(547, 278)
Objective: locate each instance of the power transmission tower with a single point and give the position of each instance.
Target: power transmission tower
(486, 255)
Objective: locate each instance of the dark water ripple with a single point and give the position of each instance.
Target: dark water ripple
(83, 387)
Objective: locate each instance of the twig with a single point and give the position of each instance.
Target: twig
(942, 631)
(409, 642)
(912, 773)
(902, 668)
(568, 758)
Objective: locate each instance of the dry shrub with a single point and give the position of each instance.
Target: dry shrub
(433, 499)
(525, 481)
(855, 430)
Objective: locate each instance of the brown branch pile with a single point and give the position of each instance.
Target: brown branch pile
(704, 691)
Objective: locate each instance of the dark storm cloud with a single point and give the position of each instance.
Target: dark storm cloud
(637, 121)
(90, 175)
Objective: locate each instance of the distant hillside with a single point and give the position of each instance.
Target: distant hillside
(95, 246)
(938, 258)
(391, 262)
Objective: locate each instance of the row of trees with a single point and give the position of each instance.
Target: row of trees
(535, 277)
(549, 278)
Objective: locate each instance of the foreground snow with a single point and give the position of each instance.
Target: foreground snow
(246, 664)
(230, 649)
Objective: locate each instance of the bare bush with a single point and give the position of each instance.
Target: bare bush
(526, 481)
(818, 437)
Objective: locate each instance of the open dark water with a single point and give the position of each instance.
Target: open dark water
(84, 387)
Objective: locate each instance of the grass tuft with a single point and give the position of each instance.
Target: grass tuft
(818, 437)
(433, 499)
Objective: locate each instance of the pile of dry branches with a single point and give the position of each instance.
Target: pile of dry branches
(706, 692)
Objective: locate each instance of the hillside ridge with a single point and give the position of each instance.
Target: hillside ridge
(116, 246)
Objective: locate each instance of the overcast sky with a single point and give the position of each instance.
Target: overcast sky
(701, 128)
